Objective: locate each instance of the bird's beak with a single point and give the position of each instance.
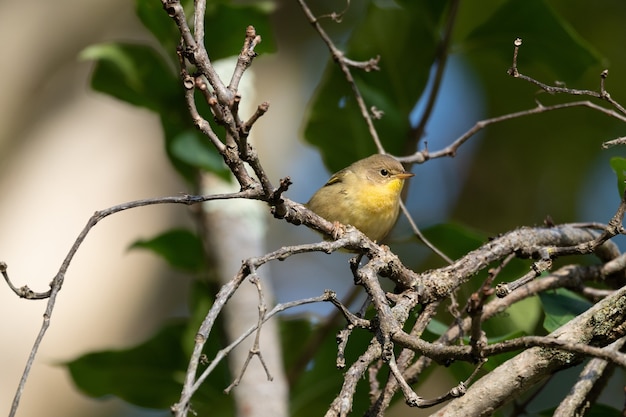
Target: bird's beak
(404, 175)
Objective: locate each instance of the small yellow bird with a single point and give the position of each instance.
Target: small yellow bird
(365, 195)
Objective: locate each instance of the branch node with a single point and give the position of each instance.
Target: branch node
(513, 70)
(188, 82)
(459, 390)
(377, 114)
(276, 201)
(502, 290)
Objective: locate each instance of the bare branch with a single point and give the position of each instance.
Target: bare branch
(602, 94)
(256, 348)
(578, 399)
(344, 65)
(245, 57)
(614, 142)
(451, 150)
(57, 282)
(24, 291)
(515, 376)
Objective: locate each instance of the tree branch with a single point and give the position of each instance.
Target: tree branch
(518, 374)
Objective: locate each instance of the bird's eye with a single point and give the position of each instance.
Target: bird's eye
(384, 172)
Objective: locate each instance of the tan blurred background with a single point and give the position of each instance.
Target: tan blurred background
(66, 152)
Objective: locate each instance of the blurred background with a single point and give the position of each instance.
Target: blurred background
(66, 151)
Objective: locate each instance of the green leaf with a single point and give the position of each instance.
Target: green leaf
(523, 316)
(191, 148)
(201, 298)
(226, 23)
(406, 41)
(149, 375)
(547, 38)
(163, 28)
(180, 248)
(223, 21)
(454, 239)
(560, 306)
(319, 382)
(136, 74)
(619, 166)
(436, 327)
(174, 125)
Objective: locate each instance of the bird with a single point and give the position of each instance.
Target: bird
(365, 195)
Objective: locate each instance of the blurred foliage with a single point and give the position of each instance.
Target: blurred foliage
(552, 41)
(145, 76)
(596, 410)
(455, 240)
(151, 374)
(317, 385)
(619, 167)
(560, 306)
(517, 171)
(181, 248)
(531, 167)
(408, 53)
(395, 89)
(148, 375)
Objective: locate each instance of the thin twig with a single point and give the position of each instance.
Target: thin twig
(340, 59)
(57, 282)
(602, 94)
(191, 384)
(441, 59)
(245, 58)
(595, 372)
(410, 397)
(256, 348)
(614, 142)
(451, 150)
(23, 291)
(421, 236)
(223, 353)
(550, 342)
